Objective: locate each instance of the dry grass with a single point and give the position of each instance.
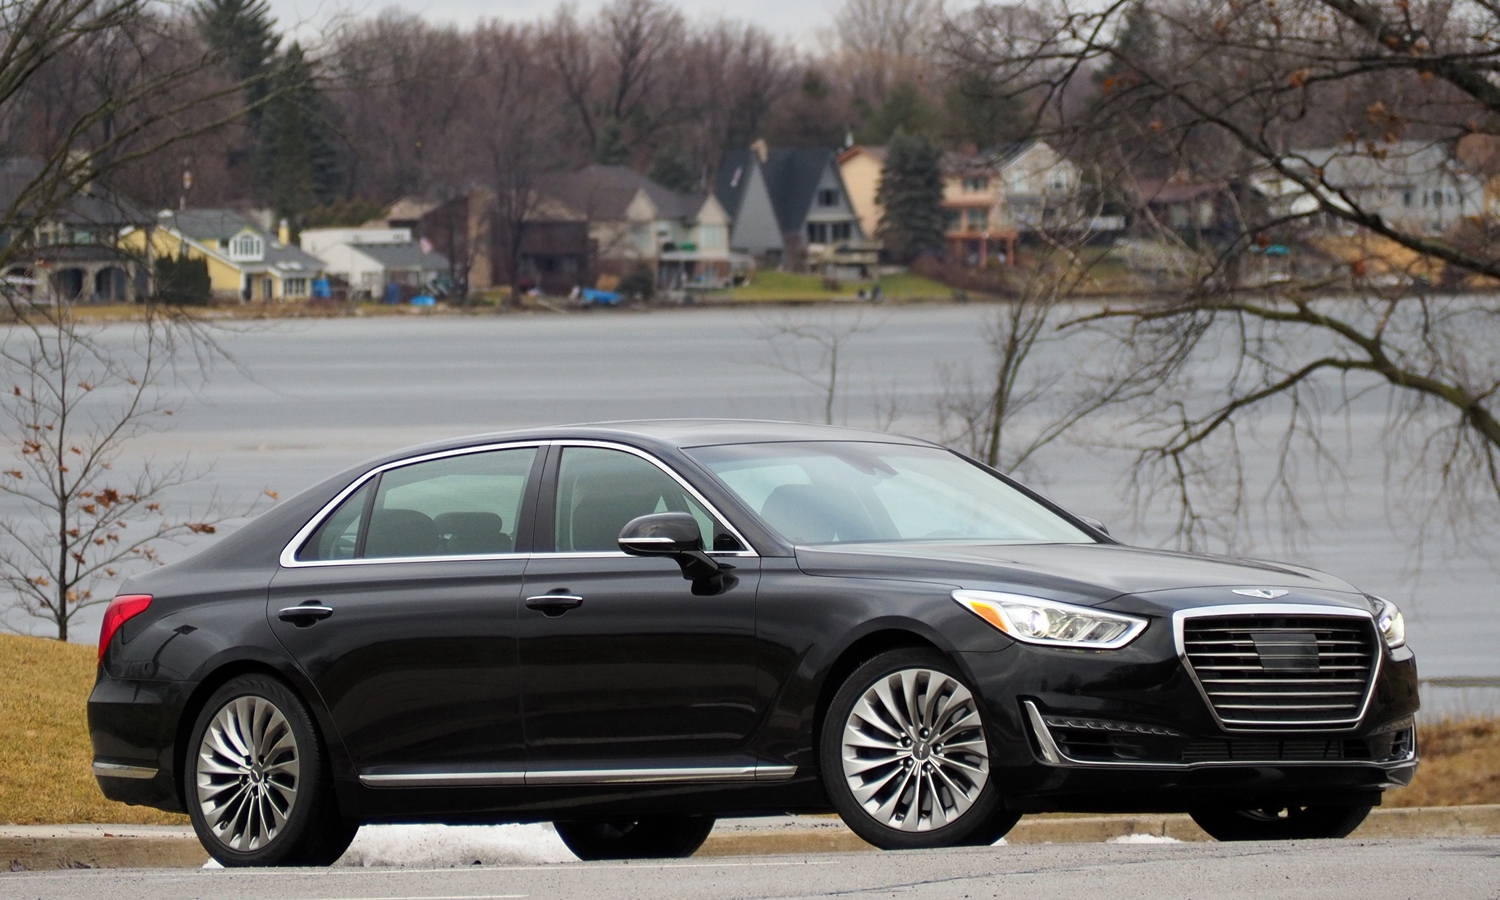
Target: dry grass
(1460, 765)
(44, 744)
(45, 752)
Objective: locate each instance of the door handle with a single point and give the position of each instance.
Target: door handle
(554, 604)
(308, 613)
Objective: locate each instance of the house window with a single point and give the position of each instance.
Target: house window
(294, 287)
(1437, 199)
(1406, 198)
(976, 184)
(1058, 180)
(978, 219)
(841, 231)
(817, 232)
(828, 197)
(247, 246)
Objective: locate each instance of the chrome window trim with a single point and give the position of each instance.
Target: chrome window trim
(757, 772)
(1179, 621)
(288, 558)
(1052, 754)
(120, 770)
(749, 552)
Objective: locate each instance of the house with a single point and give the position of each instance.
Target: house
(467, 230)
(805, 200)
(975, 226)
(742, 191)
(861, 168)
(992, 197)
(682, 239)
(245, 261)
(1191, 207)
(74, 254)
(1420, 186)
(369, 259)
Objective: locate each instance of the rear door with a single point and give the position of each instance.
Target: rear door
(401, 608)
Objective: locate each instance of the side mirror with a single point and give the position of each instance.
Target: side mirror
(676, 535)
(661, 534)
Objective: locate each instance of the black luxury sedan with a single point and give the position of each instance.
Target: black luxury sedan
(629, 629)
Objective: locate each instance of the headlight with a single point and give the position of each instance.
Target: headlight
(1391, 623)
(1048, 622)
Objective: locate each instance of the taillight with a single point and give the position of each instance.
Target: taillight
(121, 609)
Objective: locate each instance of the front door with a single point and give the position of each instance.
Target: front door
(636, 671)
(410, 592)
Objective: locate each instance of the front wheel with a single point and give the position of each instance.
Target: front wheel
(1281, 823)
(905, 759)
(657, 837)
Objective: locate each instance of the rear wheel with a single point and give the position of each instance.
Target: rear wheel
(1283, 823)
(257, 780)
(905, 759)
(655, 837)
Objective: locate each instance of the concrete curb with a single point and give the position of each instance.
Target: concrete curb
(135, 846)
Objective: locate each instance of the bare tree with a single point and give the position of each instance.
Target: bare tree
(78, 396)
(808, 346)
(1313, 117)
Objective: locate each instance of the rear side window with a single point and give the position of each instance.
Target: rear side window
(455, 506)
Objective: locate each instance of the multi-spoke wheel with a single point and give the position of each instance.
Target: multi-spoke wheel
(1281, 823)
(905, 758)
(258, 787)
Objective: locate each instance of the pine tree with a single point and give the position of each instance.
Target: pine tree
(670, 169)
(299, 165)
(911, 193)
(244, 33)
(904, 109)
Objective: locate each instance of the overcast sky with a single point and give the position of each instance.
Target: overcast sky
(800, 20)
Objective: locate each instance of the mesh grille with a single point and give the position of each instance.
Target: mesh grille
(1282, 670)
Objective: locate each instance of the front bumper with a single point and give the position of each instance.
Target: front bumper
(1131, 730)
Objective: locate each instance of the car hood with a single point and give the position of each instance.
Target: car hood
(1087, 573)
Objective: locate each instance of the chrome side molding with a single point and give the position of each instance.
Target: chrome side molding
(518, 777)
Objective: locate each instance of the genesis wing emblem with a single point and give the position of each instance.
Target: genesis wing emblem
(1261, 593)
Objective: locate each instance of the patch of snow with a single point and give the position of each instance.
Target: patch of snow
(1143, 839)
(212, 864)
(447, 846)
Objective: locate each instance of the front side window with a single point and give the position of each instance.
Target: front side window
(600, 490)
(454, 506)
(851, 492)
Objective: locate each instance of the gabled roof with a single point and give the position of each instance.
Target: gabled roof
(605, 193)
(209, 226)
(734, 178)
(792, 177)
(94, 205)
(405, 255)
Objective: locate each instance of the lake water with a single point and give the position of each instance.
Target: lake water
(304, 399)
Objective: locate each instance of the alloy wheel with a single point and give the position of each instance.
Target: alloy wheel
(248, 773)
(913, 750)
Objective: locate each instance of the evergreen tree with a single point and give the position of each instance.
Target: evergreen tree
(183, 280)
(905, 109)
(244, 33)
(612, 150)
(981, 114)
(911, 193)
(670, 169)
(299, 165)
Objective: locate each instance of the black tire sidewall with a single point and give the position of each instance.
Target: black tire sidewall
(298, 838)
(830, 758)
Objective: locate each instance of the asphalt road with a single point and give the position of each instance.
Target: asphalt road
(1448, 869)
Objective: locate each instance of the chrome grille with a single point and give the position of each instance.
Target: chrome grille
(1282, 669)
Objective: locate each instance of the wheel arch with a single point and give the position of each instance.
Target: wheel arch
(218, 673)
(861, 650)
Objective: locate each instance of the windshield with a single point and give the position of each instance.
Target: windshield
(839, 492)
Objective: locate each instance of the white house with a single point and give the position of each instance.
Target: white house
(368, 259)
(1417, 185)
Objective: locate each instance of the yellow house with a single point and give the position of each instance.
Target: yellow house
(244, 261)
(860, 168)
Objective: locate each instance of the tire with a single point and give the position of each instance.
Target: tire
(274, 807)
(657, 837)
(874, 739)
(1287, 823)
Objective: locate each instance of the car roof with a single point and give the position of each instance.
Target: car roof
(674, 433)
